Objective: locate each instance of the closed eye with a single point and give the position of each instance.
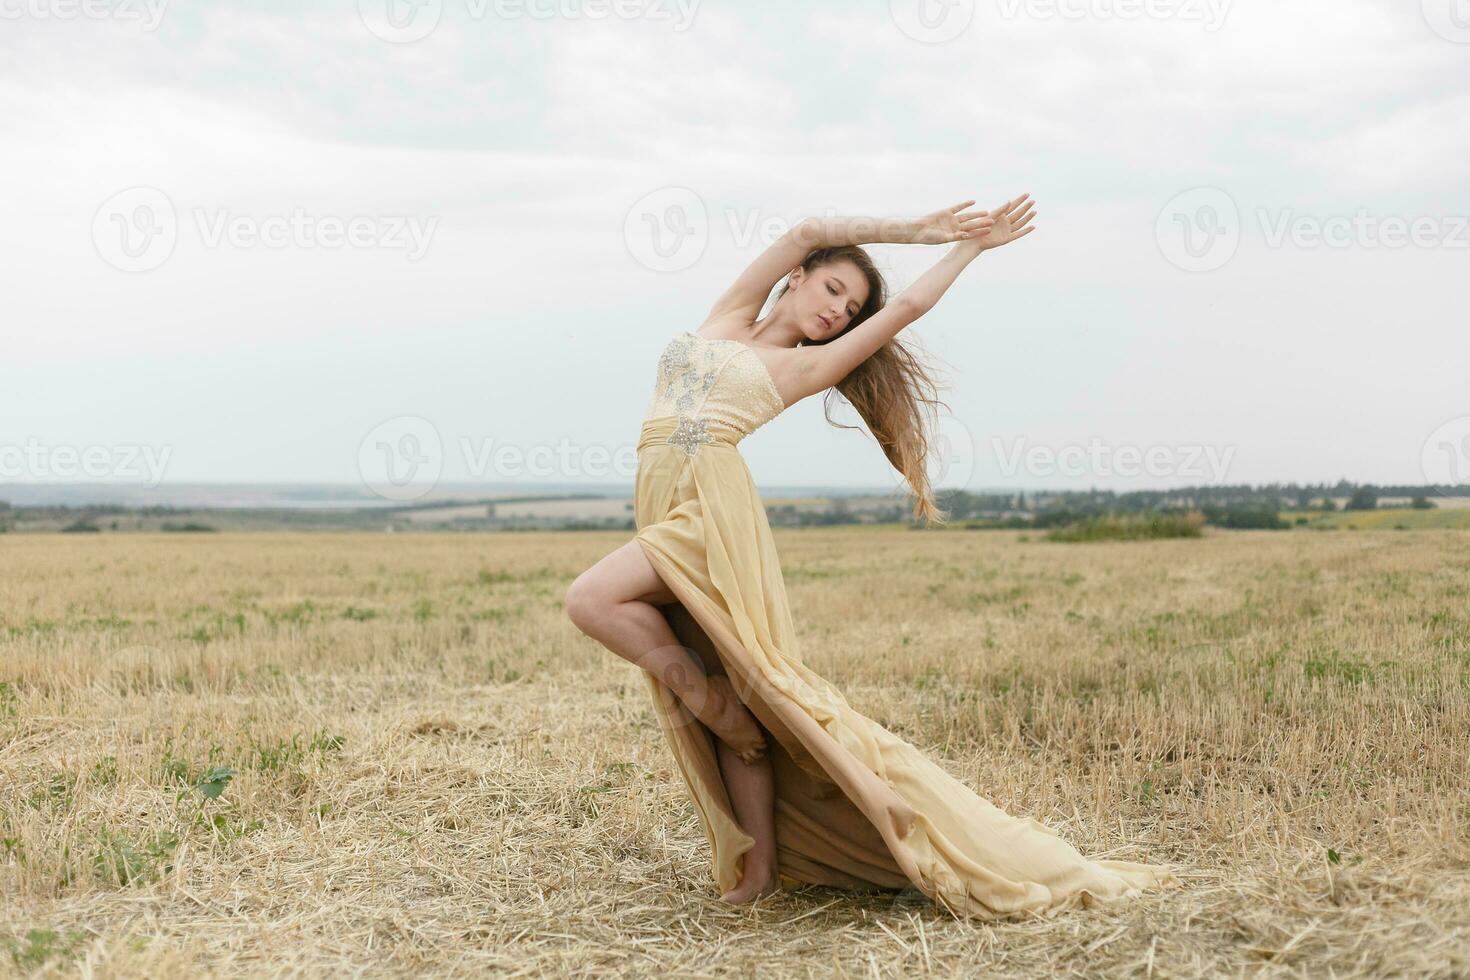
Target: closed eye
(850, 310)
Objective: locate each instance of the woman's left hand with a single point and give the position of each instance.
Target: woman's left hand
(952, 224)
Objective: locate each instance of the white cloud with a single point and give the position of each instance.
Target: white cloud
(529, 140)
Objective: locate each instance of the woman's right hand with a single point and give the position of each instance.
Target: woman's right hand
(1012, 220)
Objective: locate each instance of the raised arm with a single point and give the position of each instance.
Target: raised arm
(749, 291)
(831, 362)
(949, 224)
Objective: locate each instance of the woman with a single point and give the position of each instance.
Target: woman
(791, 784)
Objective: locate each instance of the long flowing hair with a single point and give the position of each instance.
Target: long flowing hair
(893, 391)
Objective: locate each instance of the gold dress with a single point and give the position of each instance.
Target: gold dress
(856, 806)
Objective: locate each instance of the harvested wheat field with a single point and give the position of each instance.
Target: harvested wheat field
(311, 755)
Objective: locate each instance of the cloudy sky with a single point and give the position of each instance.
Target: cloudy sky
(251, 243)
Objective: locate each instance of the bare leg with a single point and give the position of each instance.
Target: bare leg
(615, 602)
(752, 789)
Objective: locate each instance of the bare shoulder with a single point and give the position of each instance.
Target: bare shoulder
(802, 372)
(723, 326)
(791, 368)
(794, 370)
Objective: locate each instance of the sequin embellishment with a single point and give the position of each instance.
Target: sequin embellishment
(692, 433)
(703, 381)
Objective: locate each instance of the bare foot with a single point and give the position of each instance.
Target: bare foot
(756, 883)
(731, 720)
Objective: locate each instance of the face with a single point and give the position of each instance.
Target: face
(827, 298)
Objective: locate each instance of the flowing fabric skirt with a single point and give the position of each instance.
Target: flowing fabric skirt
(856, 806)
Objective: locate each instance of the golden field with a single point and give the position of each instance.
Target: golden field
(1447, 513)
(324, 754)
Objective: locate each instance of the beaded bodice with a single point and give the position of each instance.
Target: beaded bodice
(702, 380)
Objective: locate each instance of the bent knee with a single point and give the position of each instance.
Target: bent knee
(583, 603)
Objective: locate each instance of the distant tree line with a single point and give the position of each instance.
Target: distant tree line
(1232, 506)
(1272, 496)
